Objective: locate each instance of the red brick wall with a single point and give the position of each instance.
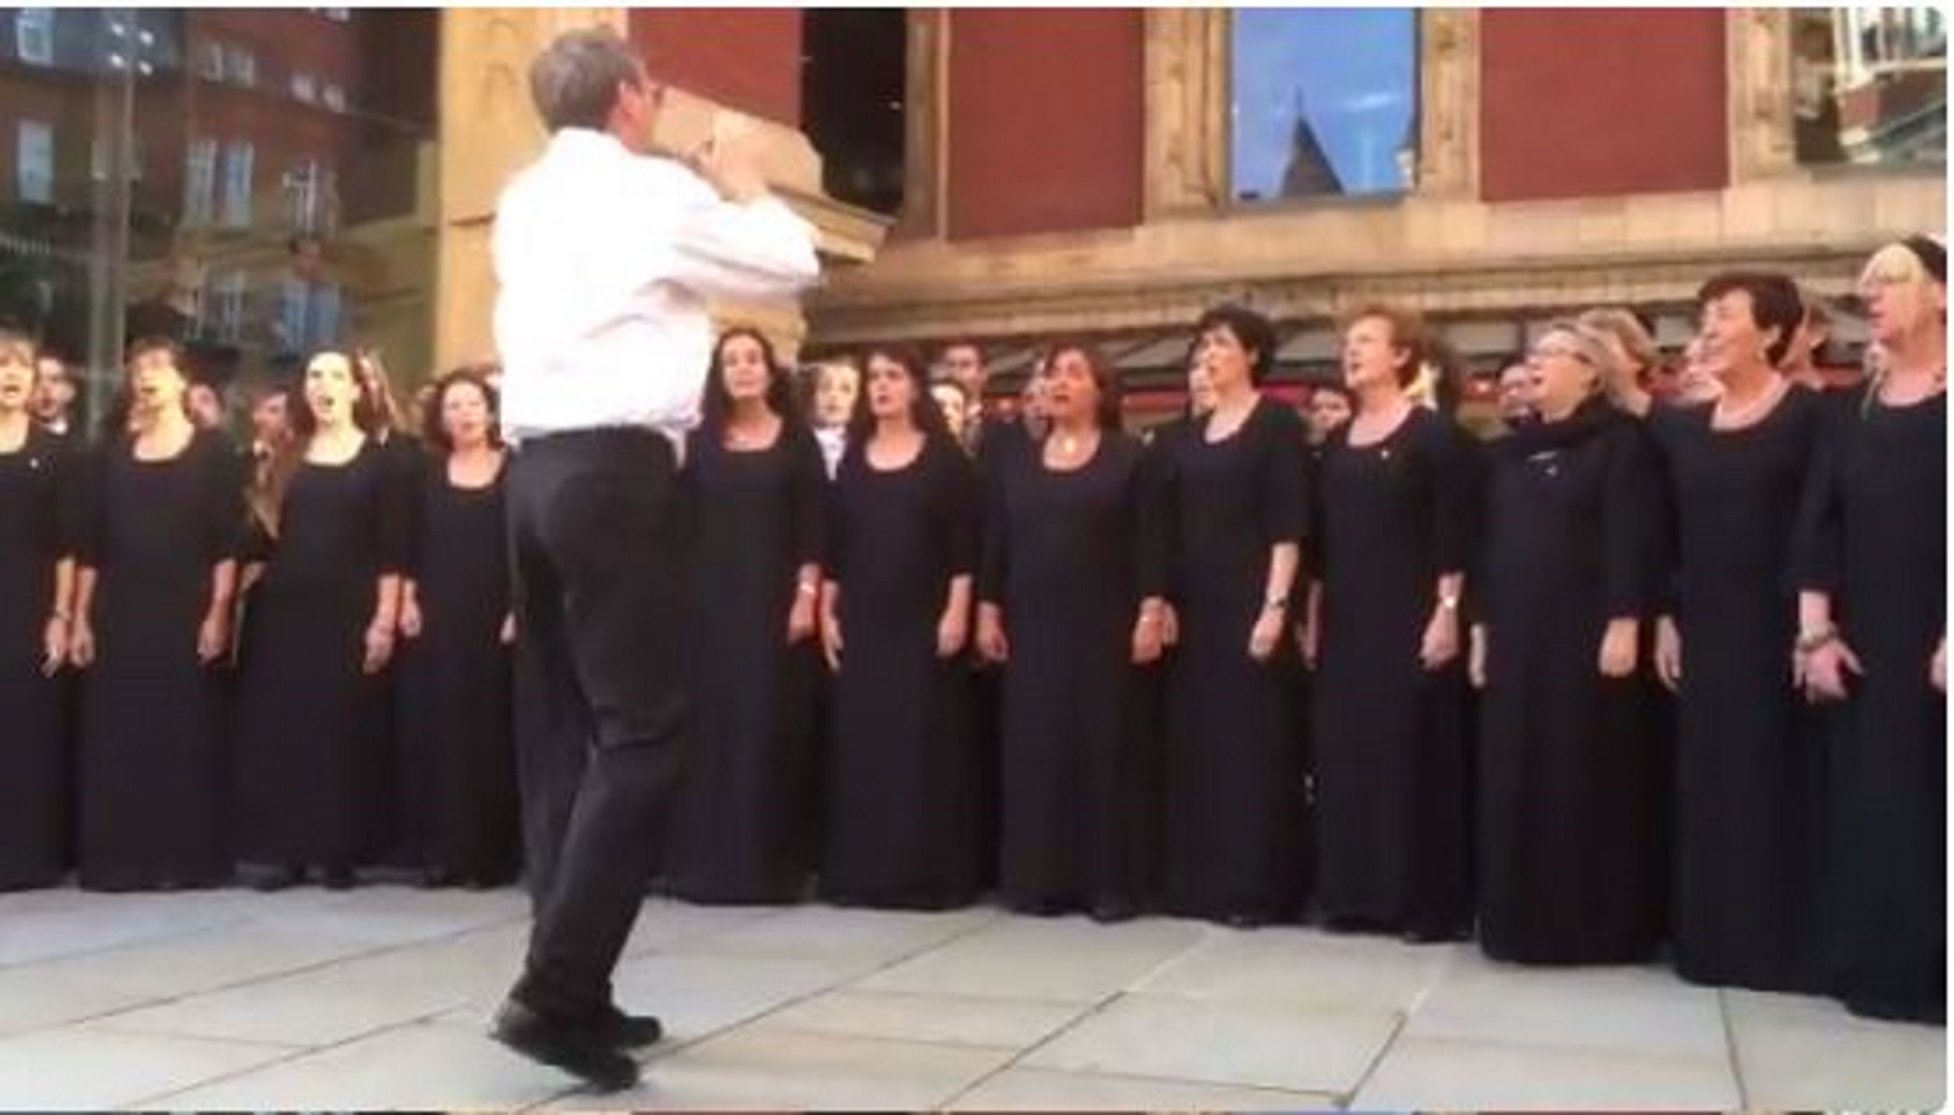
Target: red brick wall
(744, 58)
(1047, 120)
(1602, 102)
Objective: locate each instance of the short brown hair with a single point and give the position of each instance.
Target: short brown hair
(1408, 334)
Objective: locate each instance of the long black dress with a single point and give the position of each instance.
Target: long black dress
(310, 759)
(739, 832)
(1391, 768)
(1570, 868)
(38, 528)
(901, 800)
(1873, 534)
(1068, 556)
(1236, 759)
(459, 812)
(153, 730)
(1742, 907)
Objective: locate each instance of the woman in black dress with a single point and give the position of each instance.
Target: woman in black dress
(458, 814)
(1235, 756)
(1070, 604)
(37, 577)
(311, 765)
(1744, 819)
(1391, 766)
(1872, 637)
(901, 808)
(755, 491)
(153, 635)
(1570, 862)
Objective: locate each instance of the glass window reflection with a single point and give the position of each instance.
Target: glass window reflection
(1324, 102)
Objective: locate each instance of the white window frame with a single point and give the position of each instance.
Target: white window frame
(305, 87)
(34, 35)
(200, 182)
(239, 154)
(333, 95)
(34, 165)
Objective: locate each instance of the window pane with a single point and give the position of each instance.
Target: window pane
(36, 161)
(1870, 85)
(1323, 102)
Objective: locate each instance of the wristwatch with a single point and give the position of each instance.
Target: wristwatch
(1275, 603)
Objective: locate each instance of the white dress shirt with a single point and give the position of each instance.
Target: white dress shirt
(606, 260)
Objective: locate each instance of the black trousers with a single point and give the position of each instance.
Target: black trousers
(600, 695)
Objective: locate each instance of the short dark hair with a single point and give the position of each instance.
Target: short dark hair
(434, 434)
(143, 346)
(716, 404)
(1254, 332)
(1408, 333)
(1774, 304)
(961, 342)
(1333, 387)
(574, 80)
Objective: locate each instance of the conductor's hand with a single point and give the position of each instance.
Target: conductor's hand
(730, 160)
(991, 641)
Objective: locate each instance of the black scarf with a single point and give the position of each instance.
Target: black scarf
(1593, 418)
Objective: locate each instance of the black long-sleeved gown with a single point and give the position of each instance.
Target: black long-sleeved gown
(1392, 773)
(154, 729)
(740, 831)
(311, 762)
(1068, 556)
(39, 509)
(901, 798)
(459, 813)
(1873, 534)
(1569, 808)
(1236, 759)
(1743, 904)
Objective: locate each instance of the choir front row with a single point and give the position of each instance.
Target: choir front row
(1616, 680)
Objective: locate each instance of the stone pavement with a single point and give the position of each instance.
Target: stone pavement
(377, 998)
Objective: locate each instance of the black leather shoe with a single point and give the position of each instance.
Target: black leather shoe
(575, 1049)
(629, 1031)
(339, 878)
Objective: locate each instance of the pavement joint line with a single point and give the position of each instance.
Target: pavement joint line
(1093, 1010)
(1730, 1049)
(664, 1050)
(159, 1100)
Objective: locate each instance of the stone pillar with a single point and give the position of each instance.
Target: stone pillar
(489, 131)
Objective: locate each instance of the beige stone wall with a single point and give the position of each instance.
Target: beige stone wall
(489, 131)
(1440, 248)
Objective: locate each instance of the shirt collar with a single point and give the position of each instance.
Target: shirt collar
(585, 143)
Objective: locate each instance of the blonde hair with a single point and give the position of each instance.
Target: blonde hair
(1619, 323)
(1896, 264)
(1590, 343)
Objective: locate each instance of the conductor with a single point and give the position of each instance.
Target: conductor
(606, 256)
